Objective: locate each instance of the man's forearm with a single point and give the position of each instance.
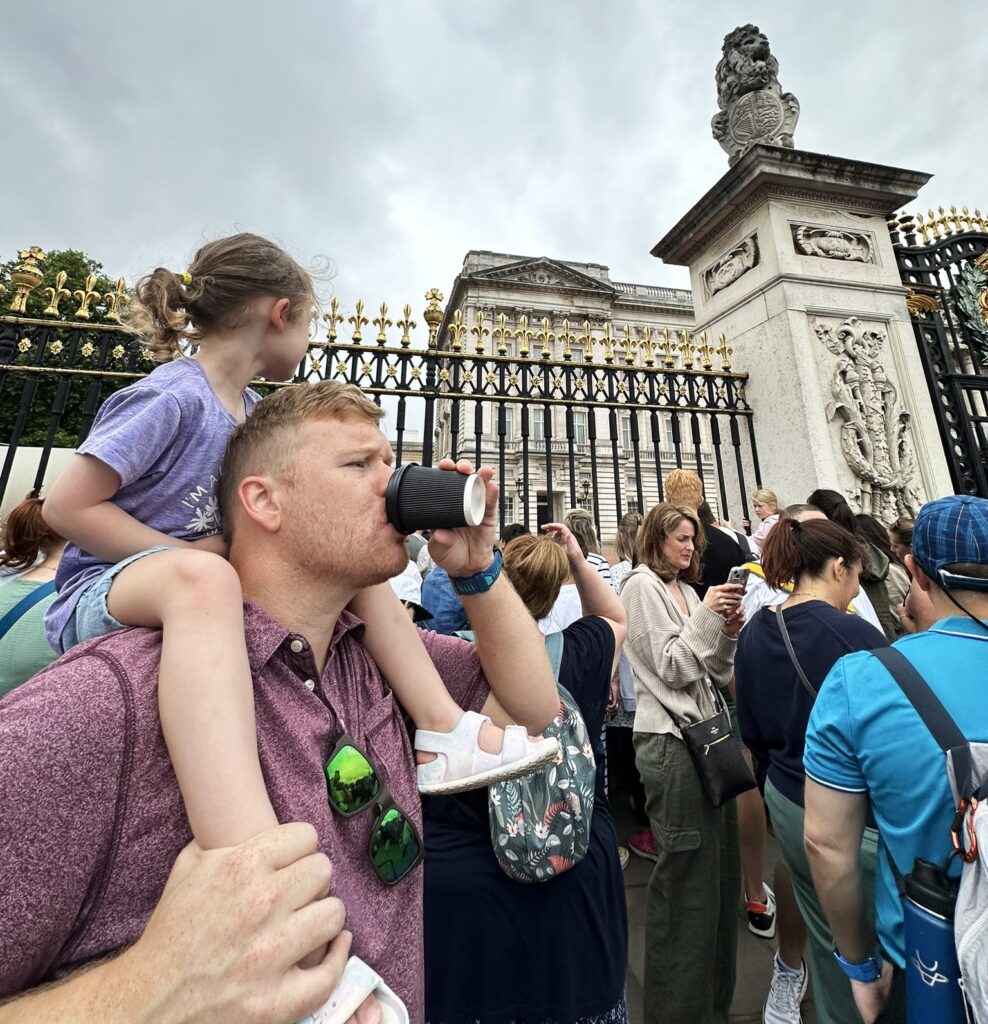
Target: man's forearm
(837, 879)
(512, 653)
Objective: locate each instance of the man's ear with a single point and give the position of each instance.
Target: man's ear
(914, 569)
(261, 502)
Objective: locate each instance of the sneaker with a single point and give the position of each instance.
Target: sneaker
(785, 993)
(761, 916)
(624, 855)
(643, 843)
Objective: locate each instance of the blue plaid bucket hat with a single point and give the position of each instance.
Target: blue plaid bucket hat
(951, 531)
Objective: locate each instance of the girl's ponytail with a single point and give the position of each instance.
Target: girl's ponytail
(795, 549)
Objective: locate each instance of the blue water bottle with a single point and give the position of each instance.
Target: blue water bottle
(933, 989)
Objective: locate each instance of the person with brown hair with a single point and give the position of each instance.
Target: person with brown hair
(529, 952)
(682, 651)
(580, 522)
(91, 816)
(140, 504)
(901, 539)
(875, 573)
(776, 689)
(28, 561)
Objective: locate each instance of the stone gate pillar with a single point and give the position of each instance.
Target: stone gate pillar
(791, 259)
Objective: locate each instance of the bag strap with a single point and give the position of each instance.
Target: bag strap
(934, 715)
(781, 620)
(24, 605)
(554, 649)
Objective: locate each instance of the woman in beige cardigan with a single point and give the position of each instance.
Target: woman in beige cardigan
(680, 649)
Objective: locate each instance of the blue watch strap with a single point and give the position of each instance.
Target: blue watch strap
(479, 582)
(866, 971)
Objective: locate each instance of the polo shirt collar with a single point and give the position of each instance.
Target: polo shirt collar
(265, 636)
(958, 624)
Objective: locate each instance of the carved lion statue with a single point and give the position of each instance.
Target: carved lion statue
(747, 65)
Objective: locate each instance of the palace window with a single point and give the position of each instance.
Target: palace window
(580, 427)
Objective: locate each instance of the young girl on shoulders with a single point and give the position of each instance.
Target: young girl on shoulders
(138, 504)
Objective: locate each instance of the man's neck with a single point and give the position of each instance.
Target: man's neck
(972, 604)
(301, 605)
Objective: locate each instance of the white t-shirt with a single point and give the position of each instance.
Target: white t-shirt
(567, 609)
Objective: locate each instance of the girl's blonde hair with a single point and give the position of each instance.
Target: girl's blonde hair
(626, 539)
(214, 293)
(537, 568)
(580, 522)
(660, 522)
(766, 497)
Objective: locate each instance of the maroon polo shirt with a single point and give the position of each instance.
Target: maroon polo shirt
(91, 819)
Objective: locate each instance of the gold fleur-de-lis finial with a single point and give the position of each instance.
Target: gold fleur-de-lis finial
(56, 294)
(407, 324)
(523, 335)
(668, 347)
(479, 332)
(333, 318)
(116, 299)
(26, 276)
(647, 346)
(501, 333)
(587, 342)
(546, 337)
(687, 349)
(85, 296)
(608, 342)
(433, 314)
(724, 352)
(358, 320)
(566, 339)
(381, 322)
(456, 330)
(706, 352)
(630, 344)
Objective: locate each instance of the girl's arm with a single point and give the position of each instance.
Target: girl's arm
(79, 508)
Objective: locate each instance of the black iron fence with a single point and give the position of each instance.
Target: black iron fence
(576, 418)
(943, 259)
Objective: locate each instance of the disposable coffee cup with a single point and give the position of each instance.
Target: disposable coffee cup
(422, 498)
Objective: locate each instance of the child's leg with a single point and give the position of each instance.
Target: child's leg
(205, 689)
(395, 645)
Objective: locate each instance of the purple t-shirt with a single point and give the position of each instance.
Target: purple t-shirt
(165, 436)
(91, 818)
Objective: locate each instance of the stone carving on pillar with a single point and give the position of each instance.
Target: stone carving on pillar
(874, 430)
(733, 264)
(832, 244)
(753, 107)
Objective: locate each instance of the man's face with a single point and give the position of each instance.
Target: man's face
(335, 519)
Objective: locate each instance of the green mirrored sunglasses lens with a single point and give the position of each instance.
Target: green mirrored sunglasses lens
(394, 846)
(351, 780)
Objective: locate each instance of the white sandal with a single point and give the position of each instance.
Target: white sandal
(460, 763)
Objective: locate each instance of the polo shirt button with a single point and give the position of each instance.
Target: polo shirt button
(310, 684)
(297, 646)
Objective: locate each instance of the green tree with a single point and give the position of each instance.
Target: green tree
(61, 347)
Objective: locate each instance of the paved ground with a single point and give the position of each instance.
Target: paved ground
(754, 955)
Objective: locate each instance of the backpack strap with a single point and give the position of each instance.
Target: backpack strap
(780, 619)
(927, 705)
(554, 649)
(24, 605)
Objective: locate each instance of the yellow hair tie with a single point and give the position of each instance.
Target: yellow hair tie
(186, 277)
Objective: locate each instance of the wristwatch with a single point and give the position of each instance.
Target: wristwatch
(479, 582)
(867, 971)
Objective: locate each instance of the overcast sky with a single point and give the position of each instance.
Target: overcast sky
(393, 137)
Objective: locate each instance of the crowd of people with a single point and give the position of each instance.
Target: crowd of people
(246, 640)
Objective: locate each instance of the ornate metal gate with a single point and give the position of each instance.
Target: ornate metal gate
(591, 415)
(943, 259)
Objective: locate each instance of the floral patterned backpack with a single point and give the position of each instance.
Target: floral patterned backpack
(540, 824)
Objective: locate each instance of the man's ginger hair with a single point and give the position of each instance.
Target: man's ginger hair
(684, 487)
(263, 442)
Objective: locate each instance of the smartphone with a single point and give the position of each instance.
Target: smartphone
(739, 574)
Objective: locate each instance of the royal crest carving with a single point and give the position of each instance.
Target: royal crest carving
(732, 265)
(833, 244)
(753, 107)
(874, 427)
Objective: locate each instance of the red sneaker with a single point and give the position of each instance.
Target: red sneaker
(643, 844)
